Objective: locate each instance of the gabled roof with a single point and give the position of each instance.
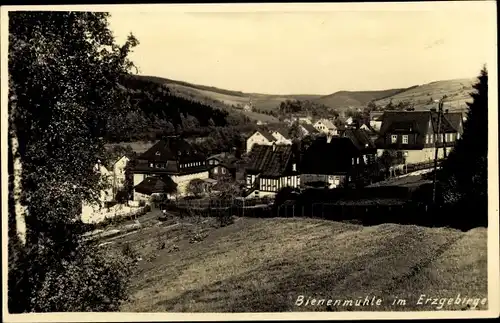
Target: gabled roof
(360, 138)
(266, 135)
(327, 123)
(330, 158)
(270, 161)
(413, 121)
(172, 148)
(456, 120)
(283, 132)
(153, 184)
(309, 127)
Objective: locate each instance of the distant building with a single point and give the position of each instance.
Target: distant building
(249, 106)
(326, 126)
(260, 137)
(172, 157)
(308, 130)
(271, 168)
(414, 134)
(221, 166)
(281, 136)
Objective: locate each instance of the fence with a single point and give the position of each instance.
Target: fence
(403, 212)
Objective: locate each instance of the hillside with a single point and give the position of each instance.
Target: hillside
(355, 99)
(420, 95)
(262, 265)
(231, 98)
(457, 92)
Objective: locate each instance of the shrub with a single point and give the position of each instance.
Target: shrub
(88, 280)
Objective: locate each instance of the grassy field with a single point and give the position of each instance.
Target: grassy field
(457, 92)
(261, 265)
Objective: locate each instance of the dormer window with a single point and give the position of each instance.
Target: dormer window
(394, 139)
(405, 139)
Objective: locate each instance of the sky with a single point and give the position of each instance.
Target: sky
(310, 49)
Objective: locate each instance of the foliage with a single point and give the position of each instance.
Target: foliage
(294, 131)
(306, 107)
(464, 173)
(196, 187)
(122, 196)
(64, 75)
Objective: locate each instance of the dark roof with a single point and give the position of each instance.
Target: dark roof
(330, 158)
(283, 132)
(271, 160)
(413, 121)
(456, 120)
(360, 138)
(267, 135)
(405, 122)
(154, 184)
(172, 148)
(310, 128)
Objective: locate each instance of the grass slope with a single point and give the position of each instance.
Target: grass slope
(457, 92)
(355, 99)
(260, 265)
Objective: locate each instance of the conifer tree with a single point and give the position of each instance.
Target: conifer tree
(464, 173)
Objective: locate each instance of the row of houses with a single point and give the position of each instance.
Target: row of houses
(274, 162)
(335, 160)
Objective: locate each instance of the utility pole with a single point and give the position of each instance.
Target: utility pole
(436, 151)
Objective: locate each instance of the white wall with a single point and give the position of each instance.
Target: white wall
(183, 181)
(257, 138)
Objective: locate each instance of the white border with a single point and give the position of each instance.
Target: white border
(493, 227)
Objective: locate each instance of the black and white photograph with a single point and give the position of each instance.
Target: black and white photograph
(292, 161)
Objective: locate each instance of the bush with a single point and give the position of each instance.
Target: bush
(88, 280)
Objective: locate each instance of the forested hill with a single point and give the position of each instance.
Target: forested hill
(156, 111)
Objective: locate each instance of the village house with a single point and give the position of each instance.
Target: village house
(263, 137)
(308, 130)
(414, 134)
(364, 143)
(326, 126)
(331, 162)
(118, 173)
(282, 137)
(172, 158)
(221, 166)
(270, 169)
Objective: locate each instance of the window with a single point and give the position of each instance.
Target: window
(353, 161)
(405, 139)
(458, 136)
(441, 137)
(427, 139)
(294, 167)
(215, 170)
(223, 170)
(394, 139)
(357, 160)
(151, 165)
(157, 153)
